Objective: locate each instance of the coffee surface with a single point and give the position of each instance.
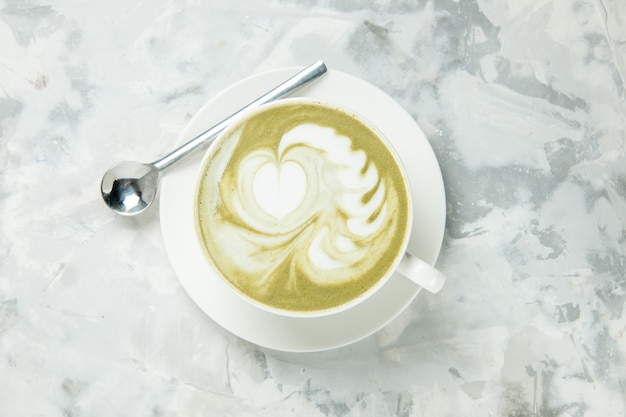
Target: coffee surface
(302, 207)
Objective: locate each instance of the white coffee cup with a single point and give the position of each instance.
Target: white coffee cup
(334, 164)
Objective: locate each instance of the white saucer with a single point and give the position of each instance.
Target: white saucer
(221, 303)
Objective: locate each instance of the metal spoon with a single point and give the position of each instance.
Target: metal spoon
(129, 188)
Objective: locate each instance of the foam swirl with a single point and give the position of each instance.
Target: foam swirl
(305, 213)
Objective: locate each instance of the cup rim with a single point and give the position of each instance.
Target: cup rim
(403, 247)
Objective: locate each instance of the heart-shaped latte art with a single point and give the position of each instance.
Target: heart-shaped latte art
(279, 189)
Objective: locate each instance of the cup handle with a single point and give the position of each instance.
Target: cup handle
(421, 273)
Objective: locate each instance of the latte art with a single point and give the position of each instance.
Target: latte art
(344, 194)
(302, 207)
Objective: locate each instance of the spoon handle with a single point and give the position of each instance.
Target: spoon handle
(300, 79)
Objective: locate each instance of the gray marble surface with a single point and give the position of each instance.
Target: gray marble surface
(524, 105)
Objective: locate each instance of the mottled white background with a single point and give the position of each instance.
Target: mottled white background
(524, 105)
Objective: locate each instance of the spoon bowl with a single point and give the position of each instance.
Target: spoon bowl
(129, 187)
